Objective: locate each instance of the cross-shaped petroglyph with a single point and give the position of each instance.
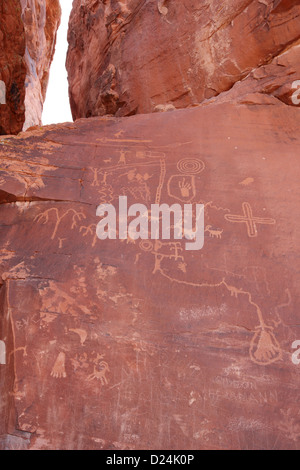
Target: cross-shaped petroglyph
(250, 221)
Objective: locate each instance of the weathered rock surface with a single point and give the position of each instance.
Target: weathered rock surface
(27, 37)
(131, 56)
(12, 68)
(130, 345)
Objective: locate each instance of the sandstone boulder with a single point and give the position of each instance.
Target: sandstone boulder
(27, 37)
(131, 56)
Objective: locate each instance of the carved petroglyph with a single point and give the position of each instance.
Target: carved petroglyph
(90, 230)
(95, 172)
(264, 347)
(56, 301)
(44, 217)
(27, 174)
(212, 206)
(248, 219)
(106, 141)
(214, 232)
(119, 134)
(190, 166)
(122, 159)
(289, 425)
(286, 304)
(247, 181)
(100, 374)
(172, 251)
(161, 5)
(81, 333)
(101, 368)
(183, 188)
(59, 370)
(161, 180)
(61, 242)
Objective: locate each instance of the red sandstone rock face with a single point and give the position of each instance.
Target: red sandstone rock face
(12, 68)
(131, 56)
(27, 37)
(130, 345)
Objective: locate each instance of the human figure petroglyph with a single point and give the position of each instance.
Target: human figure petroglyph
(173, 250)
(95, 172)
(122, 159)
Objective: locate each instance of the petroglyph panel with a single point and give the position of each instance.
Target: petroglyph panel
(131, 342)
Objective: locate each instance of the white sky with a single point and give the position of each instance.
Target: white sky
(57, 107)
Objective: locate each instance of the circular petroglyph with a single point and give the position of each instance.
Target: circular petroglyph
(190, 166)
(146, 245)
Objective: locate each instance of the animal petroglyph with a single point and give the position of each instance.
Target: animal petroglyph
(247, 182)
(214, 232)
(100, 374)
(45, 216)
